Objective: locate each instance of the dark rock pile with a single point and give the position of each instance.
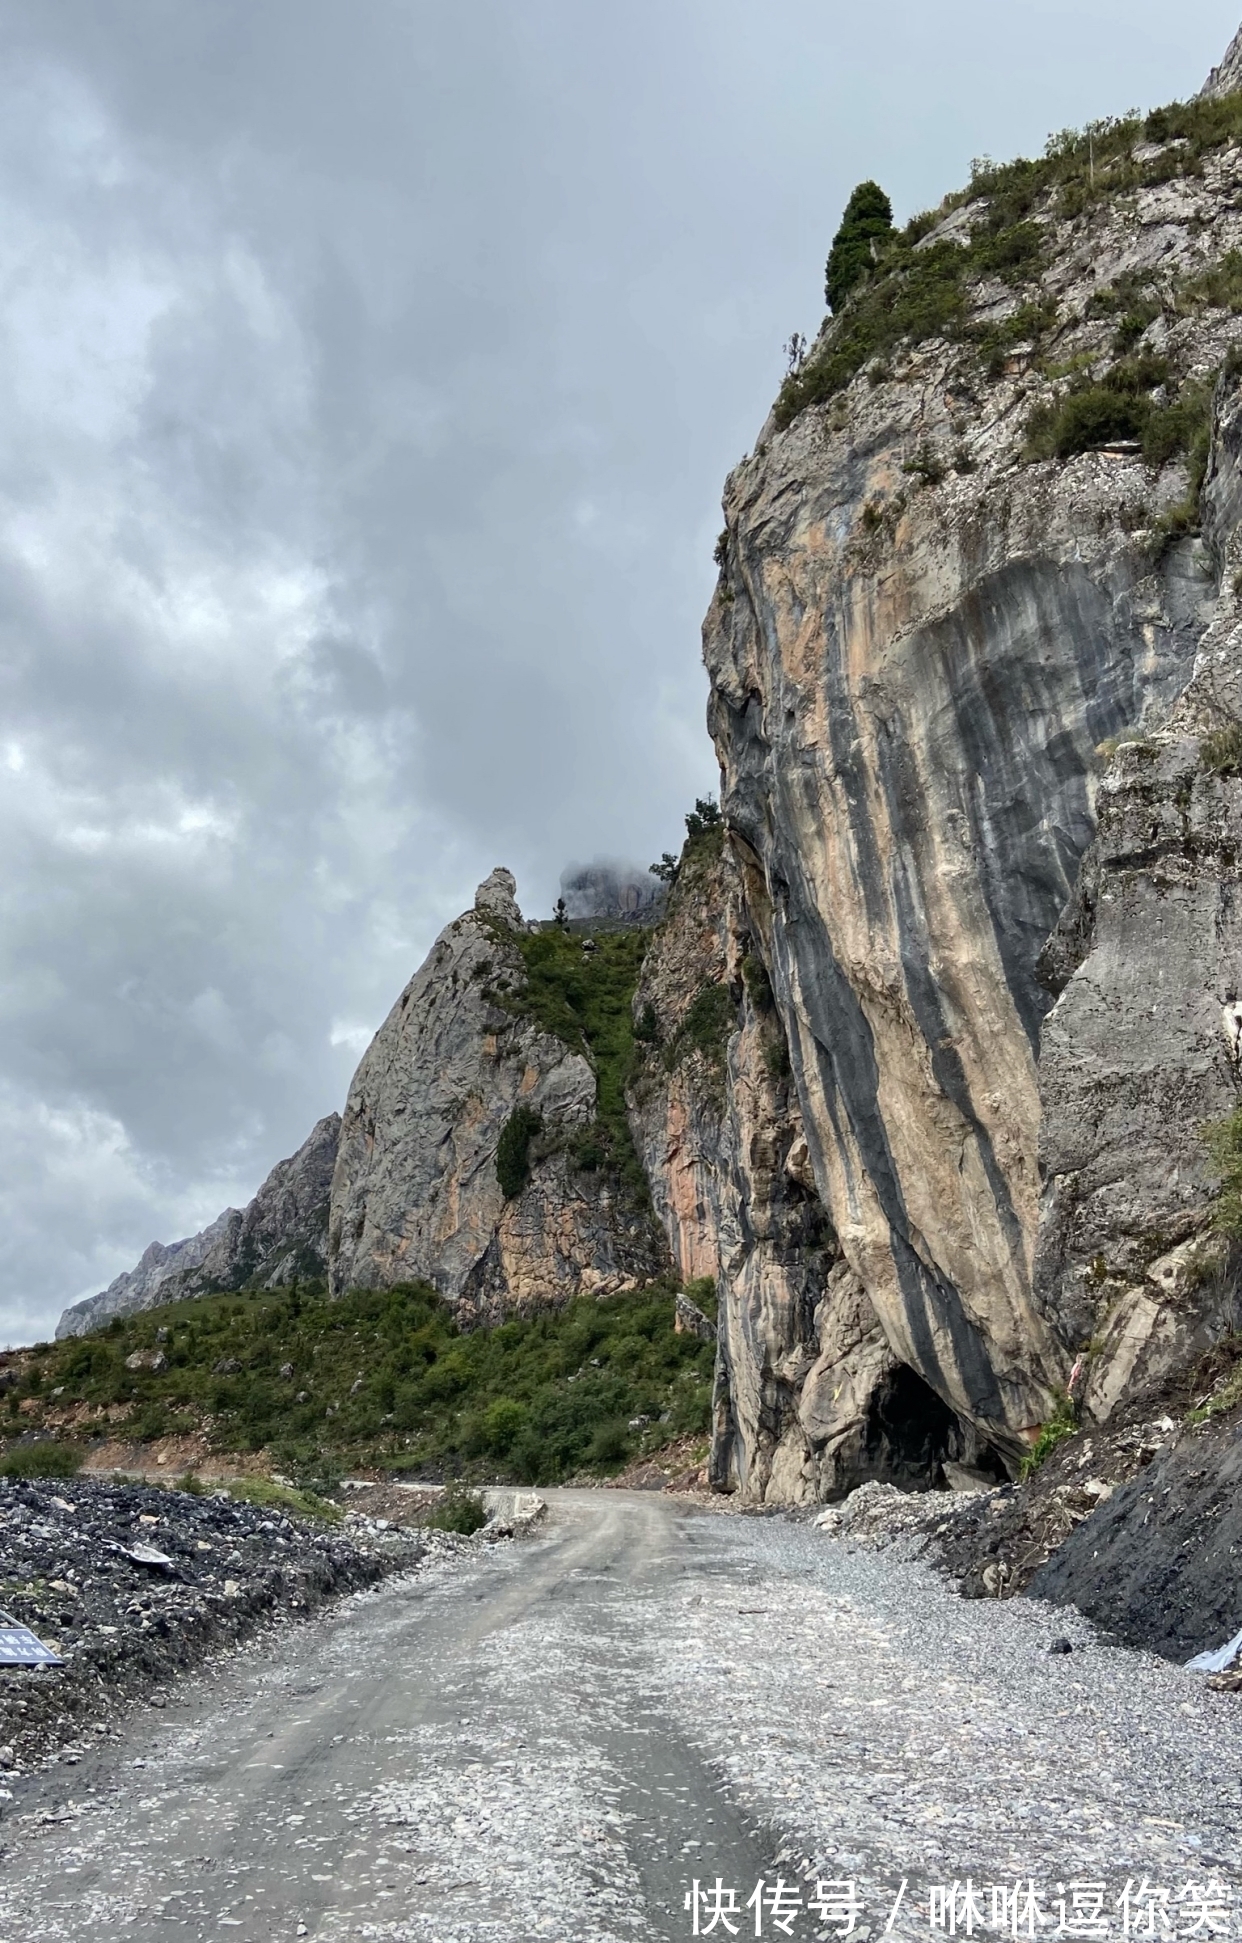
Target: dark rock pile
(123, 1627)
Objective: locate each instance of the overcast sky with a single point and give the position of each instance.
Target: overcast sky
(369, 374)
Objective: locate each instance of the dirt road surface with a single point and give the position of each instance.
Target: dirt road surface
(556, 1740)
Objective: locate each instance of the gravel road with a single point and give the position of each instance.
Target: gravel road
(556, 1739)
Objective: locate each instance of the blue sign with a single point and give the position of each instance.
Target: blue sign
(19, 1647)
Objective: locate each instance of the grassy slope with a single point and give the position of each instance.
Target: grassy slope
(384, 1378)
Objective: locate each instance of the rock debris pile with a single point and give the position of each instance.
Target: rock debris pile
(71, 1569)
(879, 1515)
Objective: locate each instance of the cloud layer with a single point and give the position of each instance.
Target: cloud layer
(367, 380)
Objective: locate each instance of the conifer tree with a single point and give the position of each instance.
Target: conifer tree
(868, 218)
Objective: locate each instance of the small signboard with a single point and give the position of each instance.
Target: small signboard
(19, 1647)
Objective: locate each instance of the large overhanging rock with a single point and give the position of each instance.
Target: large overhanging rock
(918, 643)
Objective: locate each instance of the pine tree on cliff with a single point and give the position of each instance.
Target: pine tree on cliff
(868, 218)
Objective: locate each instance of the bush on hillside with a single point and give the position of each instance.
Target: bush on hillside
(513, 1150)
(460, 1510)
(47, 1458)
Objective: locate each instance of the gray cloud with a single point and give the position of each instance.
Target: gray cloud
(367, 380)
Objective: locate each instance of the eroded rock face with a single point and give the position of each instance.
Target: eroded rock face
(1227, 77)
(810, 1398)
(1141, 1049)
(282, 1233)
(416, 1195)
(918, 643)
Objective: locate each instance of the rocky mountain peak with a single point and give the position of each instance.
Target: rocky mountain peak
(1227, 77)
(496, 898)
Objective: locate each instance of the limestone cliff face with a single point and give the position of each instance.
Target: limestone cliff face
(415, 1193)
(810, 1398)
(920, 638)
(677, 1098)
(1141, 1049)
(282, 1233)
(1227, 78)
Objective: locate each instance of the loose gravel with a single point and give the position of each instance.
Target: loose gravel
(558, 1740)
(126, 1630)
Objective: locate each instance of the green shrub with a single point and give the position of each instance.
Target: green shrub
(776, 1059)
(283, 1497)
(867, 222)
(1098, 416)
(502, 1423)
(1222, 750)
(459, 1509)
(1224, 1145)
(1184, 426)
(704, 818)
(513, 1150)
(758, 984)
(710, 1020)
(1120, 407)
(646, 1026)
(926, 465)
(609, 1446)
(47, 1458)
(1219, 287)
(1061, 1424)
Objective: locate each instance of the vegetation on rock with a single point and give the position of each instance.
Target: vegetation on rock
(704, 836)
(1061, 1424)
(1120, 407)
(1221, 751)
(866, 225)
(917, 287)
(707, 1027)
(585, 999)
(1224, 1143)
(513, 1150)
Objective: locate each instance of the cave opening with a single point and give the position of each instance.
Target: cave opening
(911, 1434)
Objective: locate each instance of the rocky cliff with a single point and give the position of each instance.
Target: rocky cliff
(810, 1397)
(483, 1056)
(459, 1060)
(282, 1233)
(962, 590)
(920, 1059)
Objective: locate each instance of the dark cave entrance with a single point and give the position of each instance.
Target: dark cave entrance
(911, 1433)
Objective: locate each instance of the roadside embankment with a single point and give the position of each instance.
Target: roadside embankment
(133, 1584)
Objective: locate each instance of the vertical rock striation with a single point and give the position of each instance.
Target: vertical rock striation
(936, 602)
(810, 1398)
(1141, 1049)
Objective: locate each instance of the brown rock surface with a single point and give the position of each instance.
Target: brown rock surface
(919, 640)
(416, 1195)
